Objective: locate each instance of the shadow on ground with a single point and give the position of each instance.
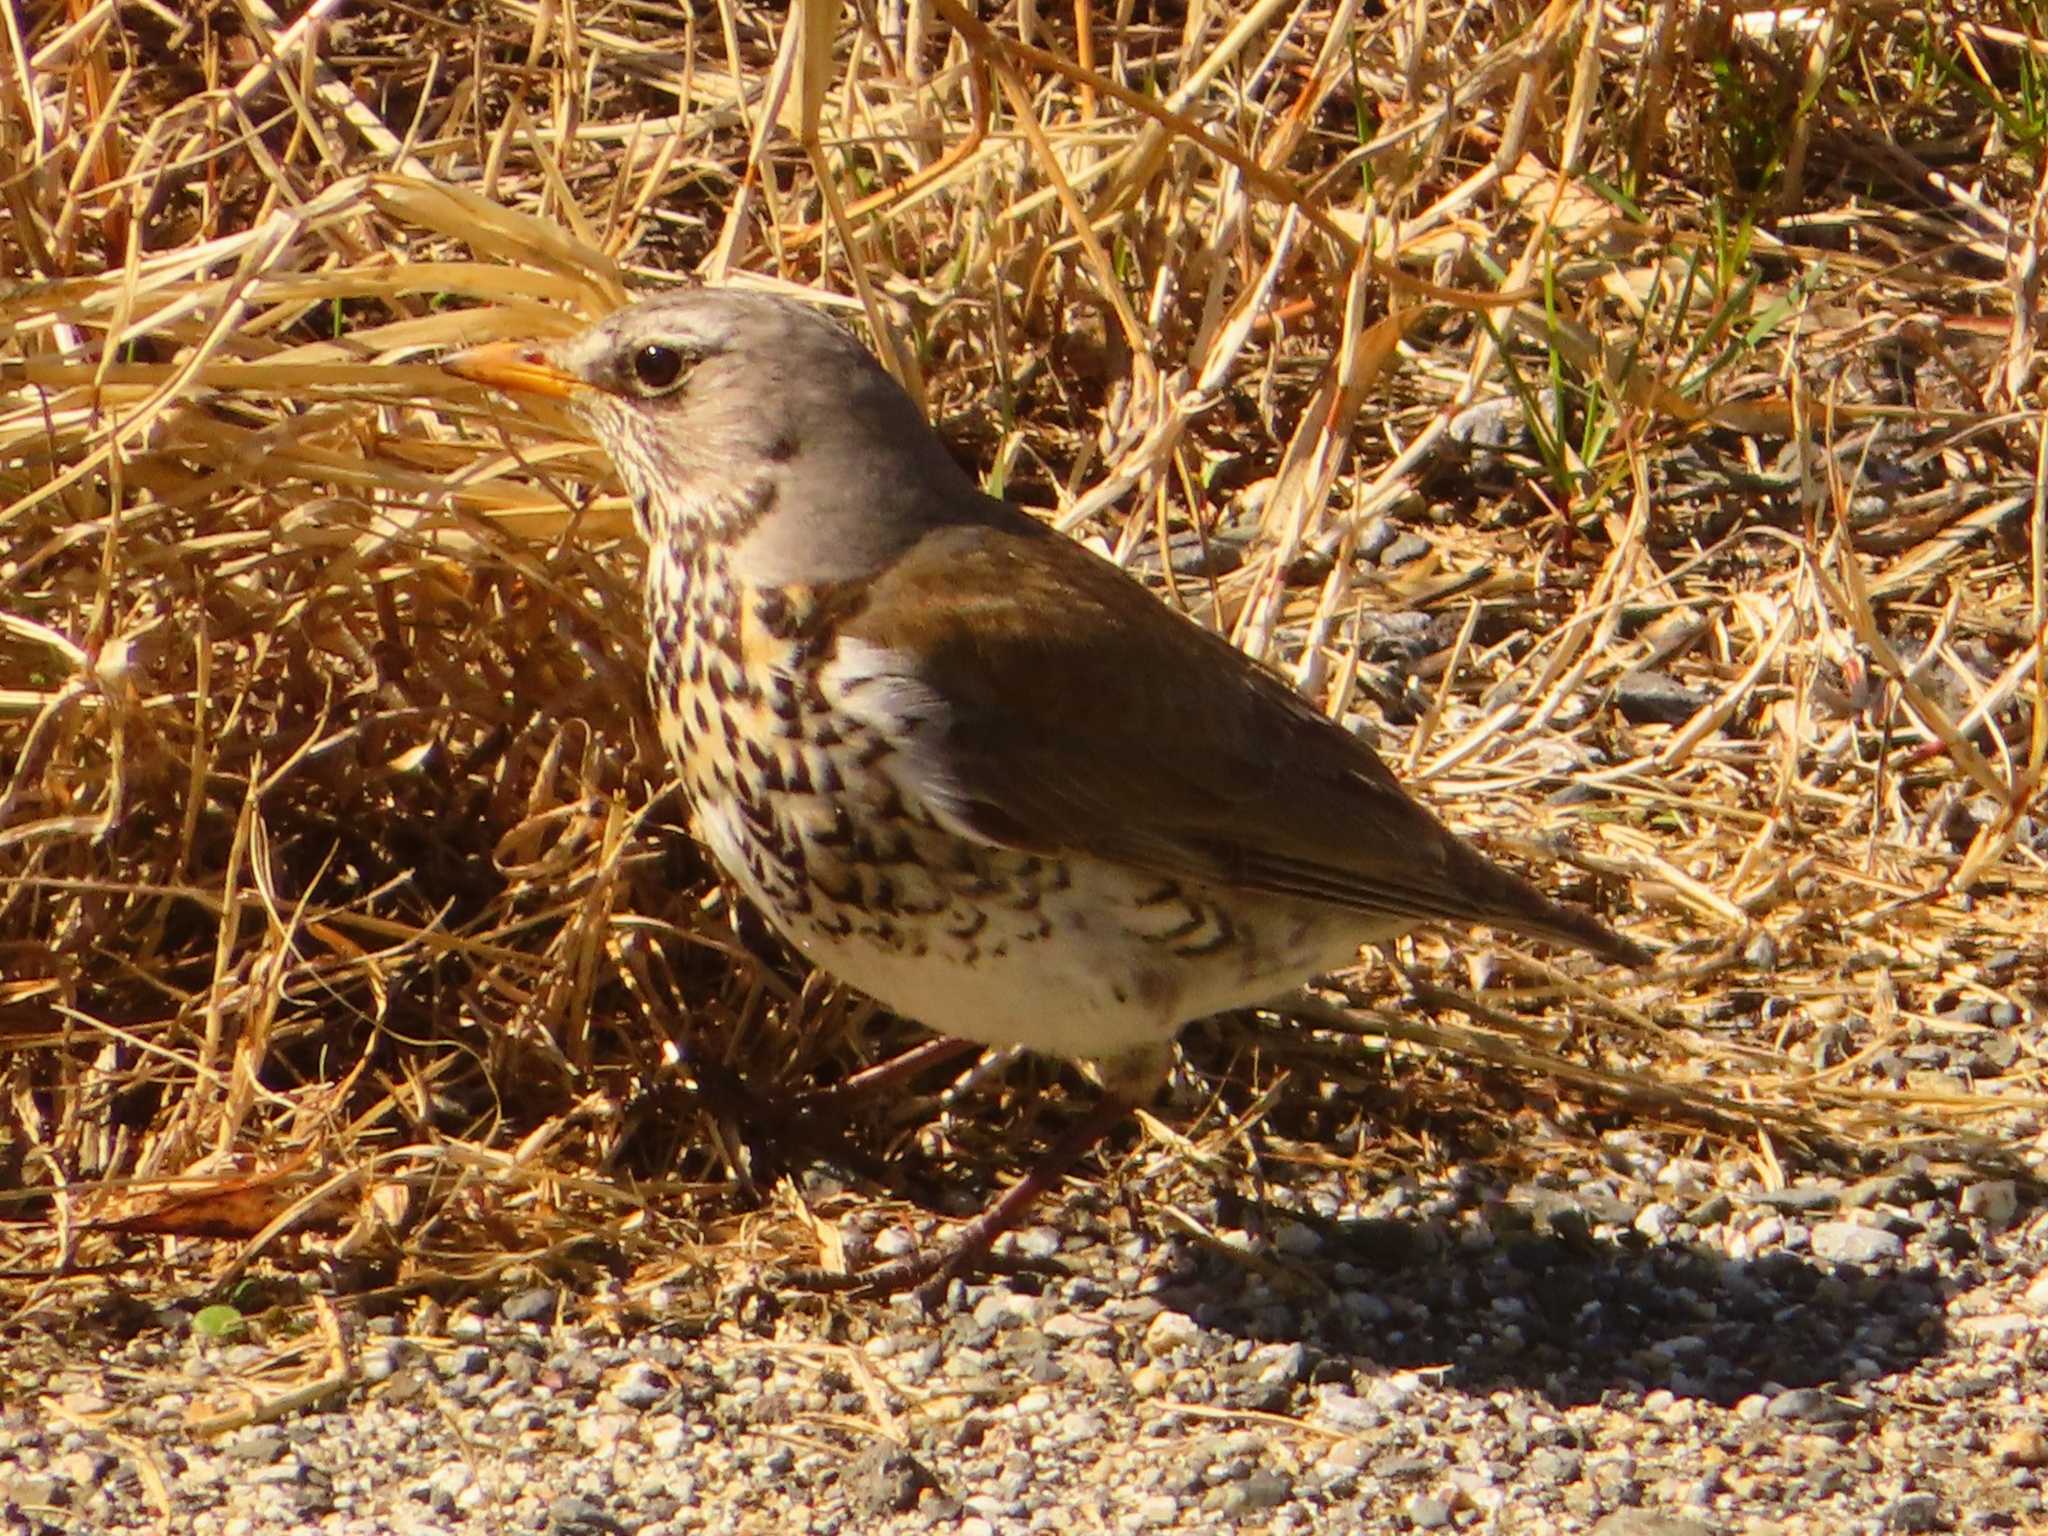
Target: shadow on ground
(1577, 1320)
(1519, 1294)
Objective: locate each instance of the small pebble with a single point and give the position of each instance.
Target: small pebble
(2035, 1297)
(1428, 1511)
(1170, 1331)
(2024, 1445)
(1851, 1242)
(1405, 550)
(1808, 1403)
(1993, 1201)
(1039, 1242)
(535, 1305)
(642, 1386)
(1913, 1512)
(1653, 698)
(470, 1360)
(1297, 1240)
(1156, 1510)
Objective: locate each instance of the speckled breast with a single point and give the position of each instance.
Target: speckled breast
(796, 800)
(791, 796)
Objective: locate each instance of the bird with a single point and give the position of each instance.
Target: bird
(960, 762)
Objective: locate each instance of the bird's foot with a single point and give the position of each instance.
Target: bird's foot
(928, 1275)
(776, 1126)
(892, 1073)
(925, 1276)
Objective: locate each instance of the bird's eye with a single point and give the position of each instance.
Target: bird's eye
(657, 367)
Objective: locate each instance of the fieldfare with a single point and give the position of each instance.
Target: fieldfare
(960, 762)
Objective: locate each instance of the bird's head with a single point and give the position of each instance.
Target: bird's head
(719, 408)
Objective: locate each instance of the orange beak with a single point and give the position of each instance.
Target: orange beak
(518, 367)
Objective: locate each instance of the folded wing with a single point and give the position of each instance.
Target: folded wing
(1038, 699)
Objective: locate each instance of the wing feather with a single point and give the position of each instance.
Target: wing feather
(1039, 699)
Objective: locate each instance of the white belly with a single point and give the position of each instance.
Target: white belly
(1073, 959)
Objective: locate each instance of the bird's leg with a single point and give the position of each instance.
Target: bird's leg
(1127, 1081)
(745, 1113)
(885, 1074)
(819, 1115)
(930, 1272)
(810, 1118)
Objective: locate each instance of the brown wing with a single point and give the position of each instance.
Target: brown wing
(1050, 704)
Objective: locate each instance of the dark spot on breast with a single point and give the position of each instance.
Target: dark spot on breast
(767, 767)
(794, 860)
(783, 449)
(839, 834)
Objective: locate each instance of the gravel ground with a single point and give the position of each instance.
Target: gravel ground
(1646, 1348)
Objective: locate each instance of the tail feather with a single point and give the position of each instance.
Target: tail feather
(1506, 900)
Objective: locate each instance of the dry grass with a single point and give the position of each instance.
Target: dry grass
(345, 925)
